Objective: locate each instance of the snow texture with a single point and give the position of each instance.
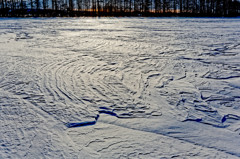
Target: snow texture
(120, 88)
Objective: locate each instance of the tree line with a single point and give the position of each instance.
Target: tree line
(119, 7)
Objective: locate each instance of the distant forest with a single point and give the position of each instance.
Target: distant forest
(74, 8)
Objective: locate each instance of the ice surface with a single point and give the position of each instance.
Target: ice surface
(120, 87)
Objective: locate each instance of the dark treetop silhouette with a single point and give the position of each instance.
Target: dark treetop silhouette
(73, 8)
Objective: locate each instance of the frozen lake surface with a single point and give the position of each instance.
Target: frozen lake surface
(120, 88)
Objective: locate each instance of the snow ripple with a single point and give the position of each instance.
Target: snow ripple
(76, 70)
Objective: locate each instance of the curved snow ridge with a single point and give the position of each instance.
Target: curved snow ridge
(104, 110)
(78, 81)
(107, 111)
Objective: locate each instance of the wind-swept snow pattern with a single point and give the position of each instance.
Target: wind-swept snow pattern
(120, 88)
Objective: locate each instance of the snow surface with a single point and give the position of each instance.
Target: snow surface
(120, 88)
